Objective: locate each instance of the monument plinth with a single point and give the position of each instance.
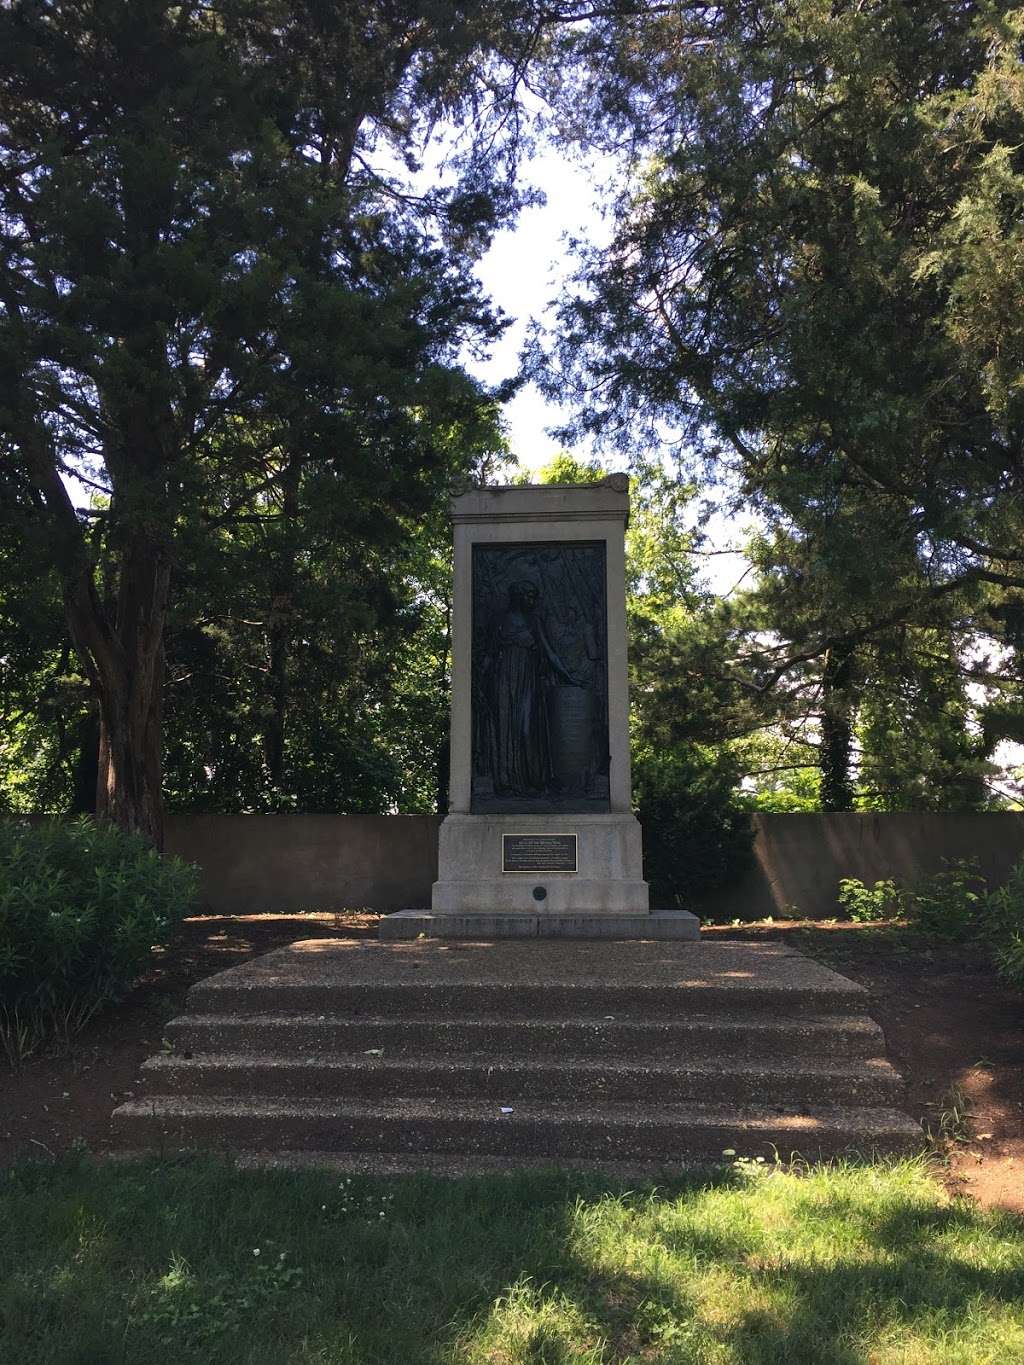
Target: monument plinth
(541, 837)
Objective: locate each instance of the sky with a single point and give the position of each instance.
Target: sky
(522, 272)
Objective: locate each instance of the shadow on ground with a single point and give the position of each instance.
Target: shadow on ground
(198, 1262)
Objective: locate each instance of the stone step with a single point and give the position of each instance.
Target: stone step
(655, 925)
(485, 1076)
(454, 1166)
(449, 1165)
(690, 1037)
(523, 1001)
(602, 1053)
(629, 1132)
(631, 980)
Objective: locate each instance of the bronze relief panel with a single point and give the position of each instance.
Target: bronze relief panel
(540, 678)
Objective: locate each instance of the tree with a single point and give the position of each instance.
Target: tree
(334, 697)
(882, 717)
(918, 747)
(215, 305)
(812, 625)
(816, 281)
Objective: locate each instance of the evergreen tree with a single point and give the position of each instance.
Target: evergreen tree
(216, 306)
(816, 281)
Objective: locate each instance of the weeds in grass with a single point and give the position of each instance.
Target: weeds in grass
(189, 1312)
(197, 1263)
(23, 1031)
(17, 1038)
(953, 1122)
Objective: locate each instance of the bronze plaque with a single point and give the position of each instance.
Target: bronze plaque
(538, 853)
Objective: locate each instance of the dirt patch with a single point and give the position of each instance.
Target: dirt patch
(951, 1028)
(954, 1032)
(64, 1098)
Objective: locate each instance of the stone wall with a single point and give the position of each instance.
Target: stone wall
(799, 858)
(253, 863)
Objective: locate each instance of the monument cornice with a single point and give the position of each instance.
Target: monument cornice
(556, 514)
(605, 501)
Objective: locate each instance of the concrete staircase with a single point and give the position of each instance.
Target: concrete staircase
(421, 1055)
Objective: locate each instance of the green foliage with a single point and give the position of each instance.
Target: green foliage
(43, 696)
(564, 468)
(953, 906)
(917, 747)
(229, 314)
(752, 1263)
(319, 681)
(888, 721)
(815, 276)
(1010, 960)
(1002, 922)
(803, 270)
(865, 904)
(794, 790)
(1003, 910)
(82, 905)
(947, 904)
(696, 836)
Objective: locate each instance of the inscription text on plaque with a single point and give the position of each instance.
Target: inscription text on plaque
(538, 853)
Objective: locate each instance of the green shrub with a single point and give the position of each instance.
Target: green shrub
(1003, 911)
(82, 904)
(865, 904)
(1009, 957)
(952, 905)
(947, 904)
(1002, 922)
(696, 837)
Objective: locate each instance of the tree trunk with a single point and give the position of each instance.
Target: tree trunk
(836, 759)
(124, 660)
(281, 624)
(129, 786)
(86, 771)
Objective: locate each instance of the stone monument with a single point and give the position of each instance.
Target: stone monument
(541, 838)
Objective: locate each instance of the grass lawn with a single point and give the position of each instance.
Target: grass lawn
(198, 1262)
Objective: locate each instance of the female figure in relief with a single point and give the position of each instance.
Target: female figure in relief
(519, 663)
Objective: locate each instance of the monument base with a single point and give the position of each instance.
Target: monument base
(657, 924)
(608, 879)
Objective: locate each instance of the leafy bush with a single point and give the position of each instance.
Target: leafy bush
(1003, 911)
(952, 905)
(947, 904)
(695, 836)
(81, 906)
(1009, 957)
(865, 904)
(1002, 922)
